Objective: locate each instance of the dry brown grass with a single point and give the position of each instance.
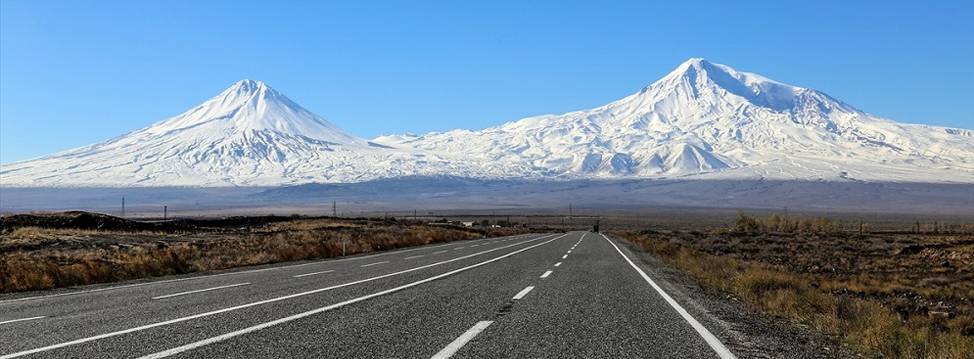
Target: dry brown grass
(813, 301)
(784, 224)
(33, 258)
(48, 233)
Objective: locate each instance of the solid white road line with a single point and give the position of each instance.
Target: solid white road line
(523, 293)
(459, 342)
(372, 264)
(711, 340)
(21, 319)
(557, 264)
(255, 328)
(253, 304)
(199, 291)
(321, 261)
(546, 274)
(414, 257)
(457, 248)
(312, 273)
(440, 252)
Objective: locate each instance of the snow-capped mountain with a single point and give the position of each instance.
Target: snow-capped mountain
(249, 134)
(703, 120)
(707, 120)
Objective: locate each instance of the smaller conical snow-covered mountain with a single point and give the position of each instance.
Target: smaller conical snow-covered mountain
(706, 120)
(249, 134)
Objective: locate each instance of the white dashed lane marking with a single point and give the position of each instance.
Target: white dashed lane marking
(199, 291)
(312, 273)
(21, 320)
(373, 264)
(458, 343)
(523, 293)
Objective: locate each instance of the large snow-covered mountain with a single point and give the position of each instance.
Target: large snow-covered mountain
(706, 120)
(703, 120)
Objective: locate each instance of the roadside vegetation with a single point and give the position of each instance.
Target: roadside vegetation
(105, 249)
(890, 294)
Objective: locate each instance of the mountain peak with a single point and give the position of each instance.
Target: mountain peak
(694, 62)
(250, 106)
(699, 77)
(249, 90)
(248, 83)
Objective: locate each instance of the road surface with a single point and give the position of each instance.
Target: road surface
(578, 294)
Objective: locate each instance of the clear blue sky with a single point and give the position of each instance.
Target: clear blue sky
(78, 72)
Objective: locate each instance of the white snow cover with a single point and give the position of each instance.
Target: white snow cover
(706, 120)
(703, 120)
(249, 135)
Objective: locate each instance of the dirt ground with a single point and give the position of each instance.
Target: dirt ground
(916, 274)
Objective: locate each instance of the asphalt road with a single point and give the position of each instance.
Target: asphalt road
(540, 296)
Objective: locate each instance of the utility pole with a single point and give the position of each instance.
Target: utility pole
(165, 212)
(414, 214)
(571, 215)
(334, 208)
(123, 206)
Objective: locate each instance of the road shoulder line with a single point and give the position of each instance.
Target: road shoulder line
(707, 336)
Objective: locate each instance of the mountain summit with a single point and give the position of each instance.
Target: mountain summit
(701, 121)
(252, 107)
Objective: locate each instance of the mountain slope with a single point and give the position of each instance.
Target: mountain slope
(701, 121)
(249, 134)
(708, 120)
